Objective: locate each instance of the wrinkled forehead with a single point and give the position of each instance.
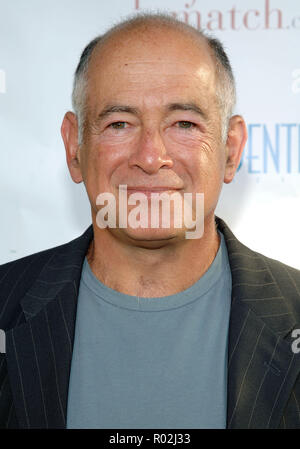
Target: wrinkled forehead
(159, 50)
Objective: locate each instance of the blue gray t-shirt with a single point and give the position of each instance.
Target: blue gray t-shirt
(155, 363)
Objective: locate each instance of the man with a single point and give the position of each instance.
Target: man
(141, 327)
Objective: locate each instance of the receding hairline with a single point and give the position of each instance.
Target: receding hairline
(143, 28)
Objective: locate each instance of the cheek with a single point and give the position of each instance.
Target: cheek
(201, 161)
(98, 169)
(106, 164)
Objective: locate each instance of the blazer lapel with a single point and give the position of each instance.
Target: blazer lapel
(39, 351)
(262, 368)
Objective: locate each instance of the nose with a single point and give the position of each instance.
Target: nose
(150, 154)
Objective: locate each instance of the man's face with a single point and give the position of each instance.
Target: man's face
(153, 122)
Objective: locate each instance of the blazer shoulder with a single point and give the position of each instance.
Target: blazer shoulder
(31, 263)
(282, 270)
(14, 267)
(288, 281)
(17, 277)
(286, 278)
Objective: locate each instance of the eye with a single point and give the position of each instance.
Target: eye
(183, 124)
(118, 125)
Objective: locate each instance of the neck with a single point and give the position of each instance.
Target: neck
(148, 272)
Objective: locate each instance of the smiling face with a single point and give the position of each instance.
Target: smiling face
(153, 122)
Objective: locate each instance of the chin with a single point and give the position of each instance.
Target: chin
(152, 238)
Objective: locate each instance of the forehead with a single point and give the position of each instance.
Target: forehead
(152, 60)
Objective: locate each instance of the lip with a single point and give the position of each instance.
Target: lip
(148, 191)
(153, 189)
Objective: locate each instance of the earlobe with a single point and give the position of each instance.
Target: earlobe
(236, 140)
(69, 132)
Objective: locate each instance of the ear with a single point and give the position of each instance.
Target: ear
(236, 140)
(69, 132)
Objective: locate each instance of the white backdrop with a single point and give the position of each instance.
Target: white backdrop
(40, 45)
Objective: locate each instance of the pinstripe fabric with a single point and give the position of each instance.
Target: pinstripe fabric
(263, 372)
(43, 288)
(38, 297)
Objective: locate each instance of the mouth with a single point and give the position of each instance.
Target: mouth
(148, 191)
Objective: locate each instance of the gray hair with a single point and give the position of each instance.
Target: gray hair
(225, 91)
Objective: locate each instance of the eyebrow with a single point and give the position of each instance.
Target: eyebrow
(187, 107)
(110, 109)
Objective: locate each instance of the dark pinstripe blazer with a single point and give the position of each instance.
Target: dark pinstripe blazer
(38, 296)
